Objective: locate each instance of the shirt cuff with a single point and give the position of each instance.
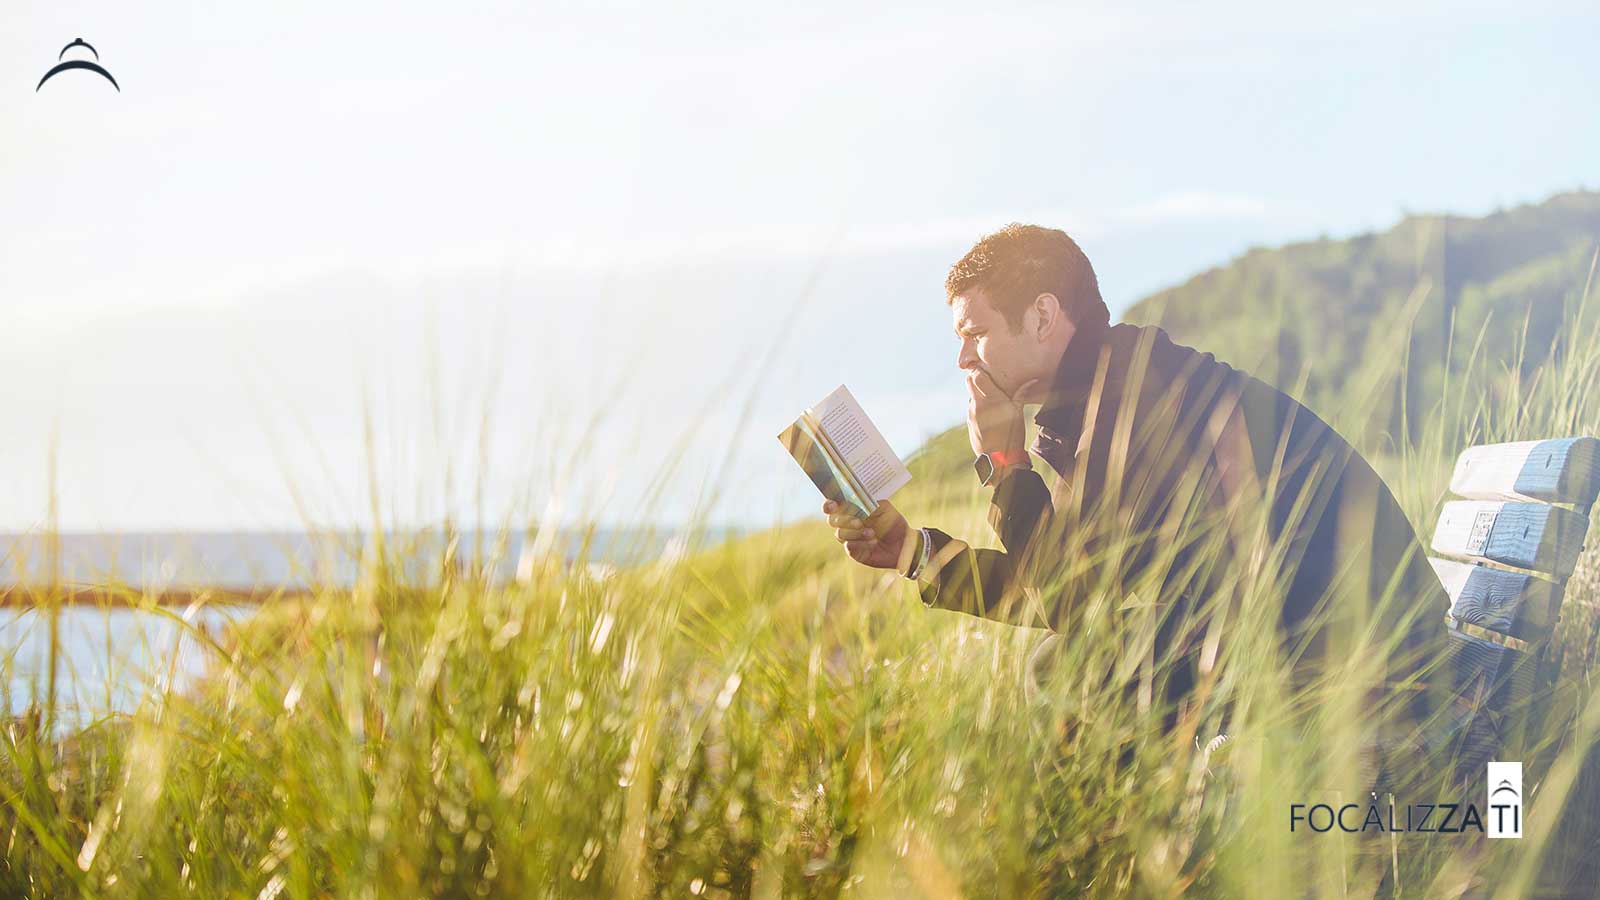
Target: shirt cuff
(941, 549)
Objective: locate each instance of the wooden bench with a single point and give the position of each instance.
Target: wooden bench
(1505, 553)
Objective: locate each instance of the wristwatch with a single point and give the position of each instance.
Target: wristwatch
(990, 465)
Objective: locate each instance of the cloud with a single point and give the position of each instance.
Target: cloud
(753, 243)
(808, 241)
(1192, 205)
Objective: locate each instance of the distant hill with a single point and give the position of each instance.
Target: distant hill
(1331, 310)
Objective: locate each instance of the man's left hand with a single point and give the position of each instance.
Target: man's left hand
(995, 421)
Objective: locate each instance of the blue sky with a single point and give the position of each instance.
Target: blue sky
(249, 242)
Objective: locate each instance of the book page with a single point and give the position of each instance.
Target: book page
(812, 453)
(858, 442)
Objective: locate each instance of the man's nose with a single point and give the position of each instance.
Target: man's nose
(967, 359)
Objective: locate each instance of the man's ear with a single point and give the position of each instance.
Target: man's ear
(1049, 312)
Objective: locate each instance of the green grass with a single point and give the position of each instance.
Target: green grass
(761, 718)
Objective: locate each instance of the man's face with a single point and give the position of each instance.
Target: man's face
(988, 344)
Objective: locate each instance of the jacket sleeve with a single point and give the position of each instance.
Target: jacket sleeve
(984, 582)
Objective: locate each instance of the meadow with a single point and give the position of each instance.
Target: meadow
(764, 718)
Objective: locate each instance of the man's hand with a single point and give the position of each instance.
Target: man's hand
(878, 541)
(994, 420)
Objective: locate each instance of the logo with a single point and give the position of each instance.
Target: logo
(1501, 817)
(94, 66)
(1353, 818)
(1505, 800)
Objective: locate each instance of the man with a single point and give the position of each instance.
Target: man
(1178, 478)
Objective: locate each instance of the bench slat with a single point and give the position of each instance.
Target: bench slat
(1512, 603)
(1533, 536)
(1562, 470)
(1492, 689)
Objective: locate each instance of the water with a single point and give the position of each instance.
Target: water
(108, 658)
(111, 657)
(242, 560)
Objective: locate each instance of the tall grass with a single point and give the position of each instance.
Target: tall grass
(763, 718)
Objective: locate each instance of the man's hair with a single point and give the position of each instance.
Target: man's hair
(1018, 263)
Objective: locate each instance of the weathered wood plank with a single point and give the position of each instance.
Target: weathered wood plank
(1533, 536)
(1562, 470)
(1517, 604)
(1492, 688)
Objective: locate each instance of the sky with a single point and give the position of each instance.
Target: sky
(330, 262)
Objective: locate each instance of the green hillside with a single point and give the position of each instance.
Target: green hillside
(1326, 310)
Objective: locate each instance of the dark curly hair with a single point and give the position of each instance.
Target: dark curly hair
(1019, 262)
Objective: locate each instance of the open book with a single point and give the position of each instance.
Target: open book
(843, 453)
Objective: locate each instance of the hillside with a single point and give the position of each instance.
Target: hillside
(1326, 309)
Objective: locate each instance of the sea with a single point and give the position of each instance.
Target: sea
(111, 658)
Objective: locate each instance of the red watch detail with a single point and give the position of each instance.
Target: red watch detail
(1002, 458)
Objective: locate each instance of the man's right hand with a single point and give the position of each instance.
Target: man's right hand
(995, 421)
(879, 541)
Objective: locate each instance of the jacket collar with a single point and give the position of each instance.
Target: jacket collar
(1074, 377)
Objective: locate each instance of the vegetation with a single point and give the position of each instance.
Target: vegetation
(1325, 310)
(764, 718)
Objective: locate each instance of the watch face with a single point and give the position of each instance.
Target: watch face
(985, 467)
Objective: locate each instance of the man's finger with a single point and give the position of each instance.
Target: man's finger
(853, 534)
(844, 520)
(828, 506)
(974, 387)
(985, 385)
(859, 550)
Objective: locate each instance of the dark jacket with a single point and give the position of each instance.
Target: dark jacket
(1176, 473)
